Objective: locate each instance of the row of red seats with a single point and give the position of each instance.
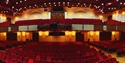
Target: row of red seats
(34, 22)
(110, 46)
(7, 23)
(28, 53)
(8, 44)
(81, 21)
(114, 22)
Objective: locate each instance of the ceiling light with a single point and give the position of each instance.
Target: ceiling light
(78, 3)
(24, 0)
(20, 1)
(12, 6)
(102, 3)
(63, 2)
(108, 8)
(16, 2)
(96, 0)
(121, 3)
(109, 3)
(117, 0)
(54, 3)
(25, 7)
(67, 2)
(29, 6)
(84, 4)
(59, 2)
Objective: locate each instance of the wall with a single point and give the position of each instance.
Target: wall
(80, 12)
(3, 36)
(22, 36)
(69, 37)
(31, 14)
(91, 35)
(115, 35)
(73, 12)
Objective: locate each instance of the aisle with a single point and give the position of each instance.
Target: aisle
(114, 55)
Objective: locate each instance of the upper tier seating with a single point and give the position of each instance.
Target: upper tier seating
(81, 21)
(34, 22)
(54, 53)
(7, 23)
(114, 22)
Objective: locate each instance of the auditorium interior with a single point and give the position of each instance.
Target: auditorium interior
(67, 31)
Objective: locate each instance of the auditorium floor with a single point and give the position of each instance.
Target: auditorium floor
(120, 59)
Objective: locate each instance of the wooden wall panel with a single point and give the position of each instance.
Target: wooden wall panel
(14, 28)
(111, 27)
(98, 27)
(120, 27)
(3, 29)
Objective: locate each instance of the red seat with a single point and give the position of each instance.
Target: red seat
(30, 61)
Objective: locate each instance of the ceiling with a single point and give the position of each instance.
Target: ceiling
(11, 7)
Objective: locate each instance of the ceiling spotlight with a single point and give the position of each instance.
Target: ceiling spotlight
(67, 2)
(16, 2)
(78, 3)
(102, 3)
(109, 3)
(7, 1)
(20, 1)
(117, 0)
(63, 2)
(54, 3)
(49, 3)
(121, 3)
(12, 6)
(59, 2)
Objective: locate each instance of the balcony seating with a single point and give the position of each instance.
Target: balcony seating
(34, 22)
(81, 21)
(7, 23)
(110, 46)
(114, 22)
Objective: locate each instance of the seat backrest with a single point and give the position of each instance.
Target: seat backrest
(30, 61)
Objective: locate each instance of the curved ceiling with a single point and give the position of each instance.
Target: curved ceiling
(12, 7)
